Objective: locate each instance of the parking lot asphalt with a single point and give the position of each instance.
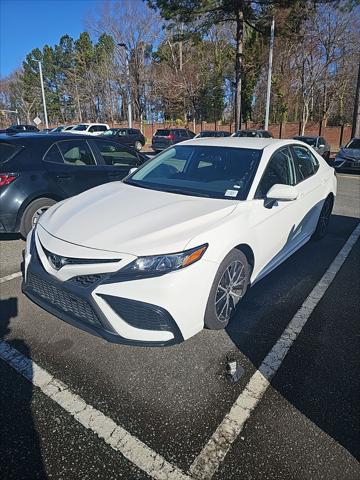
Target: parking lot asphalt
(173, 399)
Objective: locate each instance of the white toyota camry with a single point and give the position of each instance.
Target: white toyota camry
(172, 248)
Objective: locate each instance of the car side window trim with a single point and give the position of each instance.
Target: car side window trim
(55, 145)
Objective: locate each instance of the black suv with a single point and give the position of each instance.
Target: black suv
(165, 137)
(38, 170)
(127, 136)
(20, 129)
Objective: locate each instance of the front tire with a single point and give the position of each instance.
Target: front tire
(138, 146)
(324, 217)
(32, 214)
(229, 286)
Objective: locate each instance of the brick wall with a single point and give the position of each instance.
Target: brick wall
(331, 134)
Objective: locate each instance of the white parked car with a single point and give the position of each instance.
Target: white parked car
(63, 128)
(90, 128)
(172, 248)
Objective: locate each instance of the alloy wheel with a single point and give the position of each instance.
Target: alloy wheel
(230, 290)
(37, 215)
(325, 216)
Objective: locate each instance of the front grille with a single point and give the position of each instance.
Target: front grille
(87, 280)
(62, 300)
(77, 261)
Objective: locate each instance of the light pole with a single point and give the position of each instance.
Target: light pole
(268, 93)
(128, 83)
(43, 95)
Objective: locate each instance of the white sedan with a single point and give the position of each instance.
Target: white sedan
(172, 248)
(90, 128)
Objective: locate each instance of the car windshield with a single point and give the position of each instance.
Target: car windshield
(57, 129)
(354, 143)
(309, 140)
(203, 171)
(81, 128)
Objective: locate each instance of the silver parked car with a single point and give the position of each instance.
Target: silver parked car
(318, 143)
(348, 157)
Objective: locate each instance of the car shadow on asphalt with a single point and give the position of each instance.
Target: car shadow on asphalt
(20, 450)
(320, 376)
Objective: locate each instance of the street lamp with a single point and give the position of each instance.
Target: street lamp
(128, 83)
(43, 95)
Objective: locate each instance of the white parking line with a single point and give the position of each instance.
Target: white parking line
(114, 435)
(10, 277)
(214, 452)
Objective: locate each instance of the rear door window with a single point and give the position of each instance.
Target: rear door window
(76, 152)
(7, 151)
(306, 164)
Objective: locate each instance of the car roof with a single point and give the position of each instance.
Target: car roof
(239, 142)
(42, 136)
(121, 128)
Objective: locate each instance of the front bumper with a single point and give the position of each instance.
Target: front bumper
(147, 312)
(341, 163)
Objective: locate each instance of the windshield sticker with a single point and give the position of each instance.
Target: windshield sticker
(231, 193)
(236, 186)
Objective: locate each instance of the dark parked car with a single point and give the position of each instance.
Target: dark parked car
(318, 143)
(38, 170)
(348, 157)
(20, 129)
(212, 133)
(127, 136)
(165, 137)
(252, 133)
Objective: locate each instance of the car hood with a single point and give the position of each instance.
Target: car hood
(352, 153)
(123, 218)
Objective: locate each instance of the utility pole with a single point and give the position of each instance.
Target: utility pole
(128, 83)
(43, 95)
(355, 130)
(268, 93)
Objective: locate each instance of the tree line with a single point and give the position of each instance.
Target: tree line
(196, 59)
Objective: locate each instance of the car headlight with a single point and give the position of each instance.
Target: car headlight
(161, 264)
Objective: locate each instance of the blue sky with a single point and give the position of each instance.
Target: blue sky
(27, 24)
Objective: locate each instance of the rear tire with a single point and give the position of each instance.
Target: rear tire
(229, 286)
(326, 157)
(324, 217)
(33, 212)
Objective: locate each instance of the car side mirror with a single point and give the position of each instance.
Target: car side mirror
(282, 193)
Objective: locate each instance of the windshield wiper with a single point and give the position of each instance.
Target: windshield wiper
(168, 190)
(184, 192)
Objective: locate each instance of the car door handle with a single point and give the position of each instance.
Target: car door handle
(116, 175)
(64, 177)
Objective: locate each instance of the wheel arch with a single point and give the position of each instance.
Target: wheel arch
(248, 252)
(31, 199)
